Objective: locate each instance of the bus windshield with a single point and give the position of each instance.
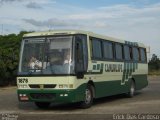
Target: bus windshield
(51, 55)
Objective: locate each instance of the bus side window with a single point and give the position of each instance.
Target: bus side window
(127, 53)
(136, 55)
(139, 54)
(108, 50)
(143, 55)
(119, 51)
(96, 48)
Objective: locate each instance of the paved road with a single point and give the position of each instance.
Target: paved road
(145, 101)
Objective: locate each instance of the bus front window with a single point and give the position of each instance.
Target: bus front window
(47, 56)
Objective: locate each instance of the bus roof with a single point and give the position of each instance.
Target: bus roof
(70, 32)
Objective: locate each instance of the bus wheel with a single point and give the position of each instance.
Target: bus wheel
(88, 100)
(131, 90)
(42, 105)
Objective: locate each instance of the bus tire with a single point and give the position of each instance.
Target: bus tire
(132, 89)
(42, 105)
(88, 100)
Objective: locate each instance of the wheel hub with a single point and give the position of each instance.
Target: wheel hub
(88, 96)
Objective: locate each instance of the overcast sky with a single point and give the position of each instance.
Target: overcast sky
(133, 20)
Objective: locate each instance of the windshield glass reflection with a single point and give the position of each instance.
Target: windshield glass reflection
(47, 56)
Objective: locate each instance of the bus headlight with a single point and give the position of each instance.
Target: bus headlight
(23, 97)
(70, 85)
(65, 86)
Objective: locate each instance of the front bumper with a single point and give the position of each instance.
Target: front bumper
(59, 96)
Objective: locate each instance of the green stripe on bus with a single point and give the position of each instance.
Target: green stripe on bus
(130, 69)
(127, 73)
(124, 72)
(133, 67)
(102, 68)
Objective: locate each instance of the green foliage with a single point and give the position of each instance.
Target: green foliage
(154, 64)
(9, 56)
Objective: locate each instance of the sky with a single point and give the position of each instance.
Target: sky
(132, 20)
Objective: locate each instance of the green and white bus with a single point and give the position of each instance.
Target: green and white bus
(68, 66)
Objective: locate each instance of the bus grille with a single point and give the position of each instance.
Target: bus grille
(43, 96)
(44, 86)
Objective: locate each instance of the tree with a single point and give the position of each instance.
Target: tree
(154, 63)
(9, 57)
